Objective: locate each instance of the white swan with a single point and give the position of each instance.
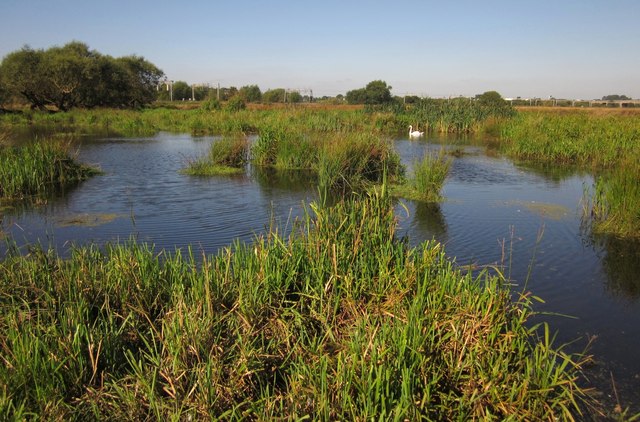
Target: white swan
(414, 133)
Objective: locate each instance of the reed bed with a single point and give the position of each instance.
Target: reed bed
(226, 156)
(339, 320)
(599, 141)
(197, 121)
(456, 115)
(38, 169)
(352, 162)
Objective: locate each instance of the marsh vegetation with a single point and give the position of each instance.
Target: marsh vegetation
(339, 320)
(333, 318)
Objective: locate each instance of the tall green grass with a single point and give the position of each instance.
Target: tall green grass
(226, 156)
(613, 206)
(352, 162)
(429, 175)
(339, 320)
(455, 115)
(38, 169)
(573, 138)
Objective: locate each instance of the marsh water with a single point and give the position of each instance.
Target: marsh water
(524, 220)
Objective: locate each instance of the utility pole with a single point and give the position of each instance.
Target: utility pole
(218, 95)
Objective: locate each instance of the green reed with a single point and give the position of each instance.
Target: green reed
(227, 155)
(38, 169)
(351, 162)
(338, 320)
(455, 115)
(613, 206)
(573, 138)
(429, 175)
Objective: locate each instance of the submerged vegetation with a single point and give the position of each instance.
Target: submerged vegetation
(38, 169)
(339, 320)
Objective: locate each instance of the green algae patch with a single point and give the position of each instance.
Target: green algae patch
(86, 220)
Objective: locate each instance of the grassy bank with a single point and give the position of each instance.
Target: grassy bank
(580, 138)
(338, 321)
(38, 169)
(455, 115)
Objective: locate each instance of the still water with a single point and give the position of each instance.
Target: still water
(496, 212)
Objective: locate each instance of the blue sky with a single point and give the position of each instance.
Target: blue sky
(565, 48)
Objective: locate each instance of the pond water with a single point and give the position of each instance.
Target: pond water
(495, 213)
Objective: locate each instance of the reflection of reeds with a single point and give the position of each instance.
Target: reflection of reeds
(39, 168)
(339, 320)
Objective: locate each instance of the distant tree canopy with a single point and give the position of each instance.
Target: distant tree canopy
(75, 76)
(4, 92)
(376, 92)
(493, 102)
(251, 93)
(280, 95)
(491, 98)
(181, 90)
(615, 97)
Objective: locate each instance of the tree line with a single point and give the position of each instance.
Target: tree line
(181, 90)
(75, 76)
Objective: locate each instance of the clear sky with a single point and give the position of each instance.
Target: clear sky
(564, 48)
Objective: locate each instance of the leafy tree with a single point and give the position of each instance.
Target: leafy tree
(4, 92)
(181, 90)
(376, 92)
(357, 96)
(251, 93)
(74, 75)
(23, 72)
(491, 98)
(615, 97)
(66, 68)
(294, 97)
(273, 95)
(142, 80)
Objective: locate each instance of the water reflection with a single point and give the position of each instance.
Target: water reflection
(428, 218)
(621, 263)
(292, 180)
(551, 172)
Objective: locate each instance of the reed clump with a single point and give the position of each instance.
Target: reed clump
(613, 206)
(38, 169)
(339, 320)
(227, 155)
(352, 162)
(429, 175)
